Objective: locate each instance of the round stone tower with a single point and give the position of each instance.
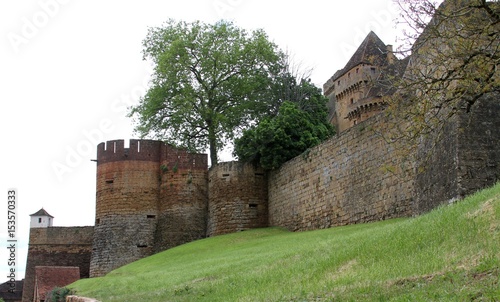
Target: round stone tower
(150, 197)
(126, 203)
(238, 198)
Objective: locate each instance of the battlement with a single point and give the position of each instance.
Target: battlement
(149, 150)
(146, 150)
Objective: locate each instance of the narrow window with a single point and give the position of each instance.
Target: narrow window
(338, 83)
(39, 220)
(142, 245)
(97, 221)
(357, 70)
(352, 101)
(225, 175)
(372, 69)
(151, 216)
(138, 146)
(252, 205)
(109, 181)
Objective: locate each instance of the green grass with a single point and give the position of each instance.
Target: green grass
(450, 254)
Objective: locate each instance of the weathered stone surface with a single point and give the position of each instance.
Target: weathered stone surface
(238, 198)
(351, 178)
(150, 197)
(57, 246)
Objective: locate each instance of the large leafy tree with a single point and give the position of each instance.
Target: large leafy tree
(299, 124)
(209, 82)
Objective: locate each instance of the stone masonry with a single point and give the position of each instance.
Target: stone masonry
(57, 246)
(238, 198)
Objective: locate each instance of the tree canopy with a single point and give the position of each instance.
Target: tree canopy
(299, 124)
(208, 84)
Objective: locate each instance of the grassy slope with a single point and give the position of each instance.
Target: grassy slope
(450, 254)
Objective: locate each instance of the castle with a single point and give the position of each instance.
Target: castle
(151, 196)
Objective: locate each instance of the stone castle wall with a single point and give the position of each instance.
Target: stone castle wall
(352, 178)
(57, 246)
(238, 198)
(182, 206)
(359, 177)
(465, 157)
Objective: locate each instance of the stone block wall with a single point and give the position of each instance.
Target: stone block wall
(126, 204)
(150, 197)
(352, 178)
(182, 205)
(464, 159)
(238, 198)
(57, 246)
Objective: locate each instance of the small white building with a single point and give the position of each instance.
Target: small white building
(41, 219)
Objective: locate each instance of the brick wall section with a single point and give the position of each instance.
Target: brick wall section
(57, 246)
(49, 277)
(352, 178)
(182, 207)
(238, 198)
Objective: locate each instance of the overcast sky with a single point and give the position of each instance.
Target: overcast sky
(69, 69)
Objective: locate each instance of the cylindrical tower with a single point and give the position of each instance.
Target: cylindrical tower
(126, 203)
(238, 198)
(182, 208)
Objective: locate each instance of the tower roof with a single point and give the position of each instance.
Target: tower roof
(42, 212)
(371, 51)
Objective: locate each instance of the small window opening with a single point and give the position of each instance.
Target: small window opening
(338, 83)
(372, 69)
(225, 175)
(39, 220)
(357, 70)
(142, 245)
(97, 221)
(151, 216)
(109, 181)
(252, 205)
(352, 101)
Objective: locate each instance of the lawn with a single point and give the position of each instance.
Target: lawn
(449, 254)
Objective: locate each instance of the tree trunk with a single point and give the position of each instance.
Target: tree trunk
(213, 152)
(212, 141)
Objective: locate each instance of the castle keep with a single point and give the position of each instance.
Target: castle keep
(151, 196)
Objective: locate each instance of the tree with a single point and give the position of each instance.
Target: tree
(207, 85)
(300, 124)
(454, 56)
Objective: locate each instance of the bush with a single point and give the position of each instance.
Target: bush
(58, 294)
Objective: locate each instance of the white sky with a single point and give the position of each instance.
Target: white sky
(69, 69)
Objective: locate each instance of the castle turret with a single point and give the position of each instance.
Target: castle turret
(357, 91)
(148, 198)
(41, 219)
